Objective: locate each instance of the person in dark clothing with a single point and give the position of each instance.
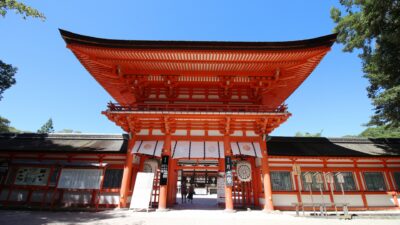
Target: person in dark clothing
(183, 192)
(191, 193)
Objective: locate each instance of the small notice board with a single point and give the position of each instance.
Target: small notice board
(142, 193)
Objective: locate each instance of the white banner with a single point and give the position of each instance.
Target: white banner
(80, 178)
(197, 149)
(246, 148)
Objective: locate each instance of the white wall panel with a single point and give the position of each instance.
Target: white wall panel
(380, 200)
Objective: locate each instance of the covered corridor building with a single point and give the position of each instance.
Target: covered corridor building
(200, 108)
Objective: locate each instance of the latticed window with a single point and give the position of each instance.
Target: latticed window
(375, 181)
(396, 176)
(281, 181)
(349, 183)
(113, 178)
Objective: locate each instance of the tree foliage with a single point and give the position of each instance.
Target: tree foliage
(307, 134)
(381, 132)
(4, 125)
(69, 131)
(373, 26)
(20, 8)
(7, 79)
(47, 127)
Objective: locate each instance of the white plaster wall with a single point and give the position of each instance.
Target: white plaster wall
(77, 198)
(157, 132)
(237, 133)
(380, 200)
(214, 133)
(340, 165)
(353, 200)
(144, 132)
(109, 198)
(316, 197)
(197, 132)
(284, 199)
(180, 133)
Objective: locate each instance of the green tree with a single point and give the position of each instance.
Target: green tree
(47, 127)
(69, 131)
(373, 26)
(20, 8)
(381, 132)
(307, 134)
(7, 71)
(7, 79)
(4, 125)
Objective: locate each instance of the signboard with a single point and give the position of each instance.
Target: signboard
(32, 176)
(80, 178)
(318, 178)
(308, 178)
(296, 169)
(221, 188)
(164, 170)
(141, 196)
(228, 172)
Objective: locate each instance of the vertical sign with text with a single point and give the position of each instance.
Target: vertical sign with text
(228, 172)
(164, 170)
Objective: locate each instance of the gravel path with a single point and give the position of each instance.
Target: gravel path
(184, 217)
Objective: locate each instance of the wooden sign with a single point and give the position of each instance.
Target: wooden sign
(296, 169)
(164, 170)
(141, 196)
(228, 172)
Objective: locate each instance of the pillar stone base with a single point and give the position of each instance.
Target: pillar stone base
(229, 211)
(162, 210)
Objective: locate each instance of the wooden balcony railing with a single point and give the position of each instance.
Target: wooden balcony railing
(114, 107)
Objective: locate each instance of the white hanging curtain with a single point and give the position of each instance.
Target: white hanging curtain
(246, 148)
(153, 148)
(80, 178)
(197, 149)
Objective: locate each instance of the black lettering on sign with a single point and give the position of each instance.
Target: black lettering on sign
(164, 170)
(228, 172)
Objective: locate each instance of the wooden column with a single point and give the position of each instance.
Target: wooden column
(268, 206)
(392, 188)
(162, 199)
(360, 184)
(172, 180)
(127, 174)
(256, 182)
(228, 190)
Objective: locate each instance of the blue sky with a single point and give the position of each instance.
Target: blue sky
(52, 83)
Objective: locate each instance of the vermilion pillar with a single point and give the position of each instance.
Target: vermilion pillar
(127, 174)
(162, 200)
(268, 206)
(228, 190)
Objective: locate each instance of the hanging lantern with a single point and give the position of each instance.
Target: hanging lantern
(150, 166)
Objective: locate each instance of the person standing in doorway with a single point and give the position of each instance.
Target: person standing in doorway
(183, 192)
(191, 193)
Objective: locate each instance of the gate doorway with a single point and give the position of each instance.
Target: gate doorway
(202, 176)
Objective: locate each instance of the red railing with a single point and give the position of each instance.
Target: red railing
(196, 108)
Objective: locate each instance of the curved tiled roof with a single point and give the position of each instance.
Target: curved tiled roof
(63, 142)
(277, 146)
(320, 146)
(73, 38)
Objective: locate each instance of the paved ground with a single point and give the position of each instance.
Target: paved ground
(203, 211)
(184, 217)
